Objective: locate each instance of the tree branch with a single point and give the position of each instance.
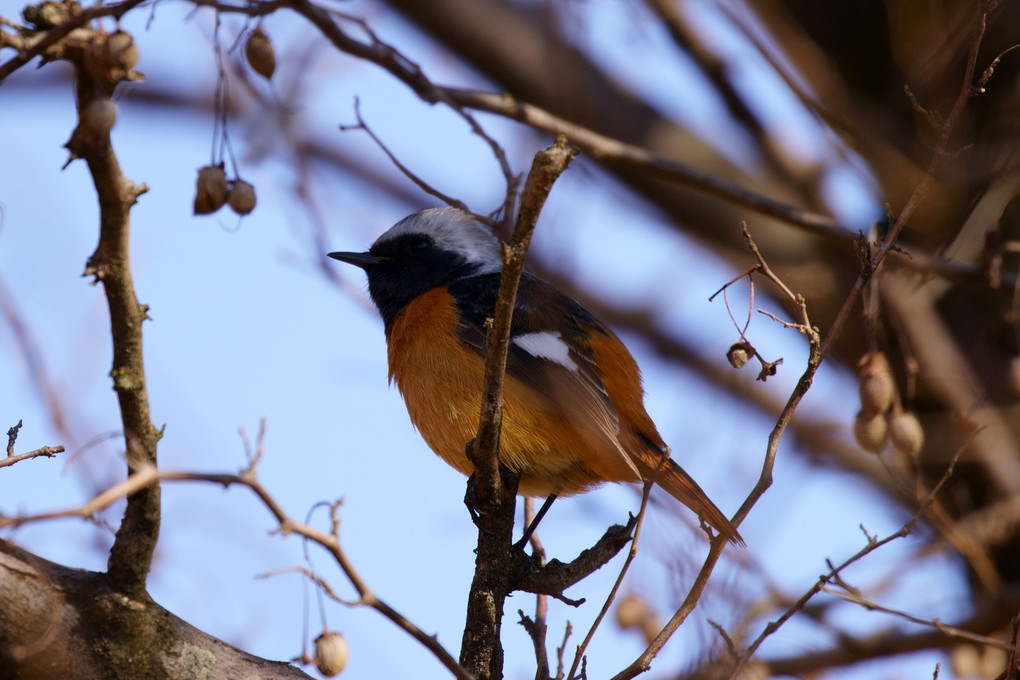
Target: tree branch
(95, 80)
(555, 576)
(481, 651)
(59, 622)
(986, 620)
(643, 662)
(150, 476)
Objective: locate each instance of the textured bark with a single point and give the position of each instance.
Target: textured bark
(57, 622)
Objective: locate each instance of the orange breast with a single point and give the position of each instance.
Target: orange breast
(441, 381)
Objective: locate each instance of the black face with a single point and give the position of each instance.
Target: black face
(408, 266)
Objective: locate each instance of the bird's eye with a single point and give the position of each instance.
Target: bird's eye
(420, 245)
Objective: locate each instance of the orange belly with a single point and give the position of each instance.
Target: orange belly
(441, 381)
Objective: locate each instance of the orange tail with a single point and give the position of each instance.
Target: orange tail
(680, 486)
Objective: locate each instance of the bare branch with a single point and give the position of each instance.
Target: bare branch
(985, 621)
(555, 577)
(854, 596)
(47, 451)
(481, 650)
(418, 182)
(12, 458)
(149, 476)
(834, 572)
(131, 554)
(631, 554)
(643, 662)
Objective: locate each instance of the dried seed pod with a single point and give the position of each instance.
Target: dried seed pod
(871, 431)
(634, 612)
(241, 197)
(993, 661)
(330, 653)
(210, 189)
(877, 386)
(47, 15)
(260, 54)
(121, 51)
(965, 661)
(98, 116)
(739, 353)
(906, 433)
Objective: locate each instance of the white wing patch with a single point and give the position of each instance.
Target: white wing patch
(547, 346)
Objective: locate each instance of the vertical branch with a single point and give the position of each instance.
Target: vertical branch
(97, 72)
(481, 652)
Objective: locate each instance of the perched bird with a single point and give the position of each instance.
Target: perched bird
(573, 413)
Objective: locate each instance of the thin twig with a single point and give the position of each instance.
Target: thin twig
(538, 628)
(631, 554)
(643, 662)
(12, 436)
(546, 168)
(883, 643)
(47, 451)
(872, 545)
(939, 155)
(417, 181)
(854, 596)
(319, 582)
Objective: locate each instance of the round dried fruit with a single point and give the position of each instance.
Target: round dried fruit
(241, 197)
(98, 116)
(210, 189)
(906, 433)
(877, 386)
(260, 54)
(330, 653)
(634, 612)
(871, 431)
(121, 51)
(739, 353)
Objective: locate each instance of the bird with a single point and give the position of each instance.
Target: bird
(573, 410)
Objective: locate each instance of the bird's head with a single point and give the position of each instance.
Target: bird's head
(423, 251)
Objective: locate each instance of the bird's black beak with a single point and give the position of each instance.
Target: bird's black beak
(363, 260)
